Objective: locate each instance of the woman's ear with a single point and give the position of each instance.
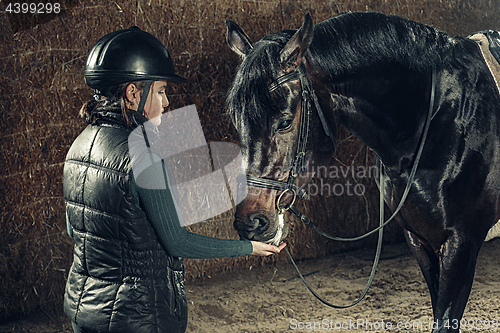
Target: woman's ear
(133, 96)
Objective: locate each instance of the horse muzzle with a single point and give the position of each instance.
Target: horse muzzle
(259, 227)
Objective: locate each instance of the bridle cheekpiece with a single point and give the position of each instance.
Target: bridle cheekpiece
(309, 99)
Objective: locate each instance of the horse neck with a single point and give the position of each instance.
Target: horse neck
(385, 109)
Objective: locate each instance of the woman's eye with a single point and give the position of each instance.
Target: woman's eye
(283, 125)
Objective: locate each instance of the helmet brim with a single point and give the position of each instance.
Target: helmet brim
(106, 79)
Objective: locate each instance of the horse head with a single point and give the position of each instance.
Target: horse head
(266, 104)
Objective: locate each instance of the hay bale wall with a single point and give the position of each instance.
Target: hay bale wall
(42, 59)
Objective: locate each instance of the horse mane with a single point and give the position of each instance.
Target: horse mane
(249, 92)
(343, 45)
(365, 39)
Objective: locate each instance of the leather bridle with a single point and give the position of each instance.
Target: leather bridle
(309, 99)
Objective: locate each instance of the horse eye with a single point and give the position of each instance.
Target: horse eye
(283, 125)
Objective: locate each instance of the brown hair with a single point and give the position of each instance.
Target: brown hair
(119, 99)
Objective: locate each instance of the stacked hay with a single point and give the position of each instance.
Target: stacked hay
(42, 60)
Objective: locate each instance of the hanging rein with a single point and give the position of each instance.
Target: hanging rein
(310, 101)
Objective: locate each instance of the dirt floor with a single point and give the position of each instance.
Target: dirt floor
(272, 299)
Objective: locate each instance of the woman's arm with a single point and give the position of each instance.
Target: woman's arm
(159, 207)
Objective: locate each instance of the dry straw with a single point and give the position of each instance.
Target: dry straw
(42, 88)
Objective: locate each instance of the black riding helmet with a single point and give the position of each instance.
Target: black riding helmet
(128, 55)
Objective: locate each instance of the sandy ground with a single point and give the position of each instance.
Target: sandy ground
(272, 299)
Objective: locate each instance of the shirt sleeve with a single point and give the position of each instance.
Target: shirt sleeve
(159, 206)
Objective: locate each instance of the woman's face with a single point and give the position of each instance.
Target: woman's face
(156, 102)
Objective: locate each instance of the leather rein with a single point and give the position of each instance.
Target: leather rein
(309, 99)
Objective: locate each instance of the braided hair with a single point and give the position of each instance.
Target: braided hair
(115, 98)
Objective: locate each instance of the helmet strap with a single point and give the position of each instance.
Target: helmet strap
(144, 97)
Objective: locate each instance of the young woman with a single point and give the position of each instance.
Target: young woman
(128, 272)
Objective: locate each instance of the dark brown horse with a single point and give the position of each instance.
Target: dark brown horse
(375, 75)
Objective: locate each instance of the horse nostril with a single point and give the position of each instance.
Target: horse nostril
(252, 227)
(259, 222)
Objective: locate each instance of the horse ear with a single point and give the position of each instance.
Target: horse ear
(237, 39)
(292, 53)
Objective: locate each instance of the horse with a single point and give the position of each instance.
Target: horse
(413, 95)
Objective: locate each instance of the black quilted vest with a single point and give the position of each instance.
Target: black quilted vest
(121, 280)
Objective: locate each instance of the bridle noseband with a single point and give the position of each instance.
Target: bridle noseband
(309, 99)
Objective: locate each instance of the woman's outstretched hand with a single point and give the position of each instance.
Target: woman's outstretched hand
(263, 249)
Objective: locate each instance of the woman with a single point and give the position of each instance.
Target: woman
(128, 272)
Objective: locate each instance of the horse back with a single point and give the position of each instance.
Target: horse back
(489, 45)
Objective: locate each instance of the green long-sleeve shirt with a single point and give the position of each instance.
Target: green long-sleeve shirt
(175, 238)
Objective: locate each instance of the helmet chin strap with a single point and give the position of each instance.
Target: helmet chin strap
(144, 97)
